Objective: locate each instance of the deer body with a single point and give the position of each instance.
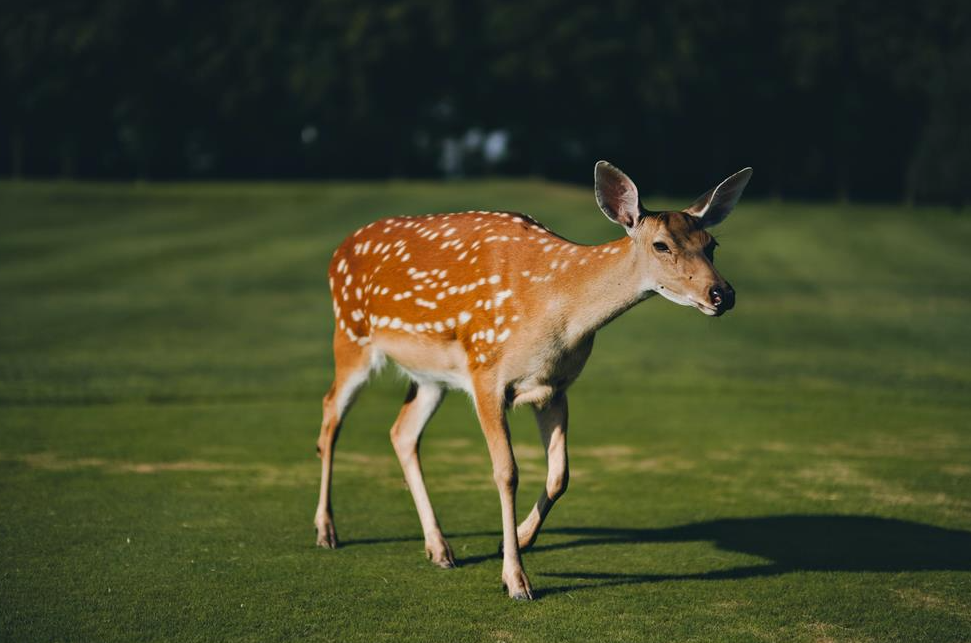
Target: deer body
(497, 305)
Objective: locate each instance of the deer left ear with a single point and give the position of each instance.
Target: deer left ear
(714, 206)
(617, 195)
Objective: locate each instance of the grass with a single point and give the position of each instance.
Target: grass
(799, 470)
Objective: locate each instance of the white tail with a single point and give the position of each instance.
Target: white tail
(496, 304)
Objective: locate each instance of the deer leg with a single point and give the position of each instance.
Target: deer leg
(352, 365)
(420, 403)
(552, 421)
(492, 417)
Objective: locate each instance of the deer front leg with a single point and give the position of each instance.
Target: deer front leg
(552, 421)
(492, 417)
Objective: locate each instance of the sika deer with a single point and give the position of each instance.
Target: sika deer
(499, 306)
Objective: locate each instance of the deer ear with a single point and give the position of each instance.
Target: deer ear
(616, 195)
(714, 206)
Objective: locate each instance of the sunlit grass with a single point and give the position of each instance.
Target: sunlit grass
(798, 470)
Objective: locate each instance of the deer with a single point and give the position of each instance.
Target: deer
(498, 306)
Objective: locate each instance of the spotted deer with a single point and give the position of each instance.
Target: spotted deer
(497, 305)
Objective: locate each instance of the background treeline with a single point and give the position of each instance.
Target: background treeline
(827, 98)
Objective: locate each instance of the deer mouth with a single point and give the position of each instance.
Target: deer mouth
(709, 310)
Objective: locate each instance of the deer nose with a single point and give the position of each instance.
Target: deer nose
(722, 297)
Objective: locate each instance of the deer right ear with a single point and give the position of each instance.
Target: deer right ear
(616, 195)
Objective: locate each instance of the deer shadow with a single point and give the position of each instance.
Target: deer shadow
(790, 543)
(824, 543)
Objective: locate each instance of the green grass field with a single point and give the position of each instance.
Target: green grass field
(798, 470)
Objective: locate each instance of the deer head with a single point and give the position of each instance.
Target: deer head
(675, 252)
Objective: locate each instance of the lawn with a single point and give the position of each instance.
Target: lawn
(797, 470)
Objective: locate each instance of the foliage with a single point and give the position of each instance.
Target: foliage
(825, 98)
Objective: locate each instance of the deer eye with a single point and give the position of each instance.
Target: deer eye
(660, 246)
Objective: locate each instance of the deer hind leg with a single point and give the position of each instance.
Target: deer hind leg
(420, 403)
(552, 421)
(352, 365)
(492, 417)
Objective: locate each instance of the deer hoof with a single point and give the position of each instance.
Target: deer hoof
(439, 552)
(327, 536)
(517, 586)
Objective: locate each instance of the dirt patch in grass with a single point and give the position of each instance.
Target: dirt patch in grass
(922, 599)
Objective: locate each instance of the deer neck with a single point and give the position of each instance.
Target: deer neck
(607, 284)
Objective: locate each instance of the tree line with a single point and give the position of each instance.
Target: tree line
(826, 98)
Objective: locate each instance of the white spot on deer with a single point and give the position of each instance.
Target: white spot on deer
(547, 248)
(405, 257)
(450, 322)
(395, 323)
(439, 327)
(357, 315)
(554, 264)
(614, 251)
(488, 304)
(515, 318)
(464, 317)
(499, 320)
(425, 303)
(449, 232)
(494, 279)
(583, 262)
(408, 328)
(481, 358)
(343, 325)
(490, 335)
(342, 265)
(502, 296)
(419, 275)
(503, 336)
(418, 287)
(384, 321)
(525, 273)
(440, 296)
(473, 260)
(357, 291)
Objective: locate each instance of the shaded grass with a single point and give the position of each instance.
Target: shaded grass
(799, 470)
